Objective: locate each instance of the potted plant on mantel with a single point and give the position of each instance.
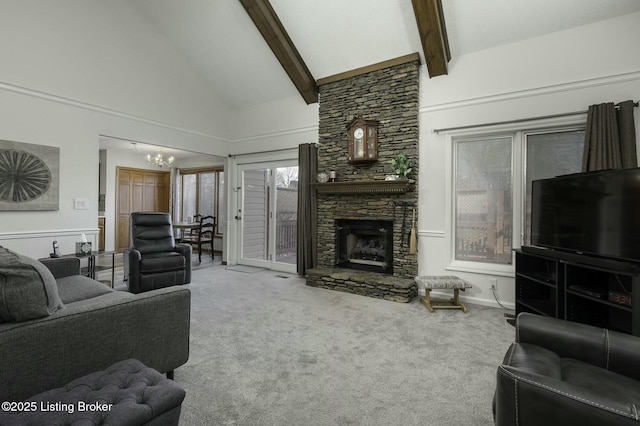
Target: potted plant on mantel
(401, 166)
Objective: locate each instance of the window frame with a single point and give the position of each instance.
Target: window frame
(197, 172)
(518, 131)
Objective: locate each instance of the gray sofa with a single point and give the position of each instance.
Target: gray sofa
(90, 328)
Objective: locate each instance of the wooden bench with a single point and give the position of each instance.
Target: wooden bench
(443, 282)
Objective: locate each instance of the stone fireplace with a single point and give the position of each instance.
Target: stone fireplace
(364, 221)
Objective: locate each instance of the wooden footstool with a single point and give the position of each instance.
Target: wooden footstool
(438, 282)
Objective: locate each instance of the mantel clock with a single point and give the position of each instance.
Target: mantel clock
(363, 141)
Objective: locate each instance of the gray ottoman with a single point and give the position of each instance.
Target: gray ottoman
(127, 393)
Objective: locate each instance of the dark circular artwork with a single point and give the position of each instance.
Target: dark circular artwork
(23, 176)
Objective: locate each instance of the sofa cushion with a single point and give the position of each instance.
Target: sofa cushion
(78, 287)
(161, 262)
(615, 386)
(27, 288)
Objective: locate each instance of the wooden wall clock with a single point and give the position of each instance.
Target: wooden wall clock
(363, 141)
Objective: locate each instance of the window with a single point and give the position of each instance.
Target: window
(488, 196)
(483, 206)
(200, 192)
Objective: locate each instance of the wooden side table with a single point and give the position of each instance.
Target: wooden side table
(92, 267)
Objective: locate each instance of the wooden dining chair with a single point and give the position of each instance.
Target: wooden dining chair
(206, 234)
(203, 235)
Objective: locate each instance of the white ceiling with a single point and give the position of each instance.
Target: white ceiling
(218, 38)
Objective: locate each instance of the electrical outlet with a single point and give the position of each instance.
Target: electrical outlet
(493, 283)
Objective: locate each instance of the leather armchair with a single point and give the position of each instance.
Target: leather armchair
(565, 373)
(154, 259)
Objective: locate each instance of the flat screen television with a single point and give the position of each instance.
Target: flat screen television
(592, 213)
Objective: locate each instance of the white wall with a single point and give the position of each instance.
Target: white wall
(559, 73)
(281, 124)
(105, 54)
(23, 119)
(73, 70)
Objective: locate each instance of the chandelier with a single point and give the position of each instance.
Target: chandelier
(159, 161)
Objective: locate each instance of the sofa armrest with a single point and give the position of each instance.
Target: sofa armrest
(90, 335)
(604, 348)
(131, 265)
(523, 396)
(62, 266)
(185, 250)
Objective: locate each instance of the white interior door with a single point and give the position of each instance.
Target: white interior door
(268, 214)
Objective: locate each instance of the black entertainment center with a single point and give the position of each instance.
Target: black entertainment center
(558, 286)
(584, 262)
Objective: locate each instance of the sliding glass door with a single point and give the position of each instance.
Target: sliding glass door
(268, 214)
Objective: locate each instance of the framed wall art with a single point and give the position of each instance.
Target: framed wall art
(29, 176)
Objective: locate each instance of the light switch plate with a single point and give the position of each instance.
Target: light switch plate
(81, 203)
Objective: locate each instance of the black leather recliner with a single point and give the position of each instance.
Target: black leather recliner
(154, 259)
(561, 373)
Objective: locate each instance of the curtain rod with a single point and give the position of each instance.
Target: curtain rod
(497, 123)
(264, 152)
(521, 120)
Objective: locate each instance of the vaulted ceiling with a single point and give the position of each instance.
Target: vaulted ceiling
(224, 42)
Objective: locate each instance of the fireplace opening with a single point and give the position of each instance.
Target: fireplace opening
(365, 245)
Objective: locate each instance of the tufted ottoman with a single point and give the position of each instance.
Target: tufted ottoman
(443, 282)
(127, 393)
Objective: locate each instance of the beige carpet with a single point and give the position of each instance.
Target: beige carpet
(268, 350)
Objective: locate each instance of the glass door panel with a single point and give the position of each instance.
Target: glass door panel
(286, 213)
(268, 214)
(255, 216)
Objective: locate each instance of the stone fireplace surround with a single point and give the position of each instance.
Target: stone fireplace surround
(400, 285)
(389, 95)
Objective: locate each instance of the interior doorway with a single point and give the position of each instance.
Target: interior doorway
(138, 190)
(268, 215)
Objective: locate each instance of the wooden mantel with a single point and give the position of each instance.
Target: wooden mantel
(363, 187)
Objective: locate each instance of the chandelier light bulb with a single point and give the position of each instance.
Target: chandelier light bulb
(159, 161)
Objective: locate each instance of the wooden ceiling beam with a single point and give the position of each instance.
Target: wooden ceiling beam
(433, 35)
(272, 30)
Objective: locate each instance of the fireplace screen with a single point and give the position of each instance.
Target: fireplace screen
(365, 245)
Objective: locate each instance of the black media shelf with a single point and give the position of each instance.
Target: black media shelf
(576, 287)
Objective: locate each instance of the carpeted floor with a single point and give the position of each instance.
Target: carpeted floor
(268, 350)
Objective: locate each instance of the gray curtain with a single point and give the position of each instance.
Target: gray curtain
(307, 207)
(610, 137)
